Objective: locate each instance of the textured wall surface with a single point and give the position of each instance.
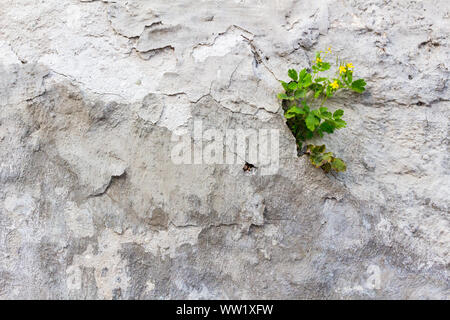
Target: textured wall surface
(92, 206)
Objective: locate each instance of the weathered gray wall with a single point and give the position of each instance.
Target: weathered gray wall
(91, 205)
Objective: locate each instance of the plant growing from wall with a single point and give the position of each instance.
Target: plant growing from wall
(309, 88)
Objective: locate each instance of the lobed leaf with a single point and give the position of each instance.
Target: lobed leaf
(311, 121)
(293, 74)
(327, 127)
(292, 85)
(358, 85)
(338, 165)
(338, 113)
(293, 111)
(300, 93)
(285, 85)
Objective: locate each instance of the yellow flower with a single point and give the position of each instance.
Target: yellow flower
(318, 60)
(342, 69)
(329, 49)
(335, 84)
(350, 66)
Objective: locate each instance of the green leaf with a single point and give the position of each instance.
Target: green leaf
(317, 94)
(349, 76)
(316, 160)
(304, 104)
(300, 93)
(338, 113)
(340, 123)
(327, 157)
(283, 96)
(319, 132)
(307, 81)
(311, 122)
(285, 85)
(324, 66)
(312, 149)
(325, 114)
(316, 112)
(320, 79)
(292, 85)
(302, 75)
(327, 127)
(326, 167)
(338, 165)
(289, 115)
(358, 85)
(293, 74)
(320, 148)
(295, 110)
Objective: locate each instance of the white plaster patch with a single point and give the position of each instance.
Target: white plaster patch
(23, 205)
(149, 286)
(109, 268)
(167, 241)
(7, 56)
(221, 47)
(79, 221)
(176, 114)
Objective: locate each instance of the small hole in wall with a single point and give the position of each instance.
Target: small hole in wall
(248, 167)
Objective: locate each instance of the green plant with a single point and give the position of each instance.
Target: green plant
(307, 89)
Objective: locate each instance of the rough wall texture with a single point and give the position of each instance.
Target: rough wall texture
(91, 205)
